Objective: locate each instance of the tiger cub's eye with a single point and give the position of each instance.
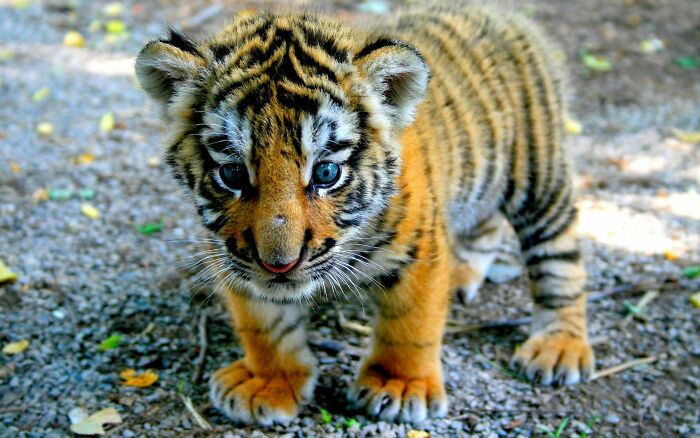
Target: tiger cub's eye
(234, 176)
(325, 174)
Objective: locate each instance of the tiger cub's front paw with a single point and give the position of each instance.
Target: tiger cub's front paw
(392, 398)
(557, 358)
(246, 398)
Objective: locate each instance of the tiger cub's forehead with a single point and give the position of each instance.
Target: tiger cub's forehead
(330, 133)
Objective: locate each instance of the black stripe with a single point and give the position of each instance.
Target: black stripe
(534, 240)
(287, 330)
(566, 256)
(382, 42)
(181, 41)
(328, 244)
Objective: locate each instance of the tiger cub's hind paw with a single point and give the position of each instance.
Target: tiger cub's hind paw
(398, 399)
(249, 399)
(558, 358)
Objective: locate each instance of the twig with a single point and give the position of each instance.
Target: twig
(204, 424)
(351, 325)
(623, 366)
(455, 327)
(199, 362)
(639, 308)
(205, 15)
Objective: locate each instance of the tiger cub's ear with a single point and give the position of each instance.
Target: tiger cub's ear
(397, 71)
(163, 64)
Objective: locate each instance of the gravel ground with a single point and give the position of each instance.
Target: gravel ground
(83, 279)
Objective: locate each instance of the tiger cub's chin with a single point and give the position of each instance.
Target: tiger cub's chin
(384, 162)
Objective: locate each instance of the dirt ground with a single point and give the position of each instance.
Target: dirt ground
(83, 279)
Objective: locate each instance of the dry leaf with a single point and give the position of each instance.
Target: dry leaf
(572, 126)
(417, 434)
(6, 276)
(671, 255)
(107, 123)
(44, 129)
(85, 158)
(139, 380)
(691, 137)
(74, 39)
(14, 167)
(93, 425)
(90, 211)
(15, 347)
(40, 195)
(695, 299)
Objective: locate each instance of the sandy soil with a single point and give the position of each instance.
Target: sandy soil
(82, 279)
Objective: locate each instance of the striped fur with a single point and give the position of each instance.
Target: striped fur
(444, 124)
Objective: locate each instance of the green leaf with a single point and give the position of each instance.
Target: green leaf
(86, 193)
(691, 272)
(110, 343)
(41, 94)
(350, 422)
(596, 63)
(562, 426)
(687, 62)
(150, 228)
(326, 416)
(60, 194)
(631, 308)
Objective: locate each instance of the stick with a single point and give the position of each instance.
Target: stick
(351, 325)
(623, 366)
(205, 15)
(199, 362)
(646, 299)
(204, 424)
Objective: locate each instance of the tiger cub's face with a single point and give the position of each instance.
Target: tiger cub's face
(284, 130)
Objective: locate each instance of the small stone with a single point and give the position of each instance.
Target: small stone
(612, 419)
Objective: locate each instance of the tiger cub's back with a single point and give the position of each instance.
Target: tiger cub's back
(491, 122)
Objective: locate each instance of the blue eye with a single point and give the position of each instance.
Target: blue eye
(234, 176)
(325, 174)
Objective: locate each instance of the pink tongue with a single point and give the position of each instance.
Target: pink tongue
(279, 269)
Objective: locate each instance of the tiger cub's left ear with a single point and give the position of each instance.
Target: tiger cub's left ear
(164, 64)
(398, 72)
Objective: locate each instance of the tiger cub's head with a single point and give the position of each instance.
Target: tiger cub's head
(283, 128)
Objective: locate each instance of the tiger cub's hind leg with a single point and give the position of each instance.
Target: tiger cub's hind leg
(475, 252)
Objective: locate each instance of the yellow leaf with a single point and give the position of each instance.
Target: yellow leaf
(93, 425)
(691, 137)
(153, 162)
(115, 27)
(74, 39)
(671, 255)
(15, 347)
(417, 434)
(6, 276)
(107, 123)
(572, 126)
(85, 158)
(695, 299)
(44, 129)
(90, 211)
(40, 195)
(14, 167)
(21, 4)
(113, 9)
(139, 380)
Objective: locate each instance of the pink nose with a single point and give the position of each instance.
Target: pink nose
(280, 269)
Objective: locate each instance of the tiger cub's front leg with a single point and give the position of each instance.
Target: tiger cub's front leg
(401, 378)
(277, 374)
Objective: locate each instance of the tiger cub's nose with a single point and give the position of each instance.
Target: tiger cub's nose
(279, 268)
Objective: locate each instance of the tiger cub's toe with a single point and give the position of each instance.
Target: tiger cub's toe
(558, 358)
(249, 399)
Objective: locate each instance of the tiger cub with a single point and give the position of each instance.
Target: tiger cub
(324, 159)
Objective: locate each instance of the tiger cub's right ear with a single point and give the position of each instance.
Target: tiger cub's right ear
(165, 63)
